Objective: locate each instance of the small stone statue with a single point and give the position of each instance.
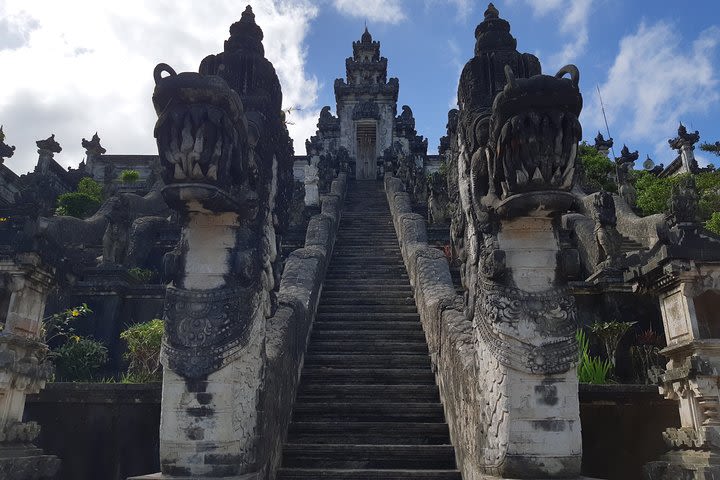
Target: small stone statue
(624, 165)
(683, 203)
(437, 199)
(607, 236)
(115, 239)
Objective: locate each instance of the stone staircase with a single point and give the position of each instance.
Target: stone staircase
(367, 404)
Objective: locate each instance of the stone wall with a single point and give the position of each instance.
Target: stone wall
(115, 428)
(99, 431)
(449, 335)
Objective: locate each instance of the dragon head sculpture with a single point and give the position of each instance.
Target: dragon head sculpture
(205, 143)
(532, 137)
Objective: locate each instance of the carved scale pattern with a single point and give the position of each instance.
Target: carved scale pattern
(205, 330)
(505, 314)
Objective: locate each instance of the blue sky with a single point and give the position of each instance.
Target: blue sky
(74, 67)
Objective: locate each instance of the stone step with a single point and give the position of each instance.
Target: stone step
(369, 456)
(380, 295)
(392, 298)
(369, 289)
(374, 264)
(369, 393)
(369, 433)
(367, 346)
(395, 326)
(365, 474)
(368, 412)
(351, 335)
(378, 316)
(367, 376)
(367, 361)
(354, 308)
(369, 276)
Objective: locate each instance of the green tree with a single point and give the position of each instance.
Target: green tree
(653, 192)
(83, 202)
(711, 147)
(599, 169)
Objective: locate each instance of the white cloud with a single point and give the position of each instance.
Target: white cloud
(463, 7)
(702, 160)
(574, 17)
(72, 68)
(656, 80)
(383, 11)
(575, 24)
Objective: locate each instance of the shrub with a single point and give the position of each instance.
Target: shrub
(129, 176)
(142, 275)
(83, 202)
(144, 340)
(713, 224)
(80, 359)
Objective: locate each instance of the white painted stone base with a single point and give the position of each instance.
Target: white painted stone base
(218, 425)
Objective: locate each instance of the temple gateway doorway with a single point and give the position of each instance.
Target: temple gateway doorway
(366, 146)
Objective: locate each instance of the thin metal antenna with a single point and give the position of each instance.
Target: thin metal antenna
(602, 107)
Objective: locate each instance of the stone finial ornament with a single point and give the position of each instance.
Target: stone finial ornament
(684, 139)
(366, 37)
(6, 151)
(93, 147)
(601, 144)
(49, 145)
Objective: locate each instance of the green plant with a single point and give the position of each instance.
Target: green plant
(599, 169)
(144, 340)
(590, 369)
(713, 224)
(83, 202)
(610, 334)
(129, 176)
(142, 275)
(59, 325)
(646, 358)
(79, 359)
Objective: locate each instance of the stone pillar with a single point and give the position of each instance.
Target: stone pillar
(23, 370)
(684, 143)
(516, 267)
(524, 326)
(222, 167)
(687, 155)
(689, 296)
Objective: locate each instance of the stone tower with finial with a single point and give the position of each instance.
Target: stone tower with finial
(366, 125)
